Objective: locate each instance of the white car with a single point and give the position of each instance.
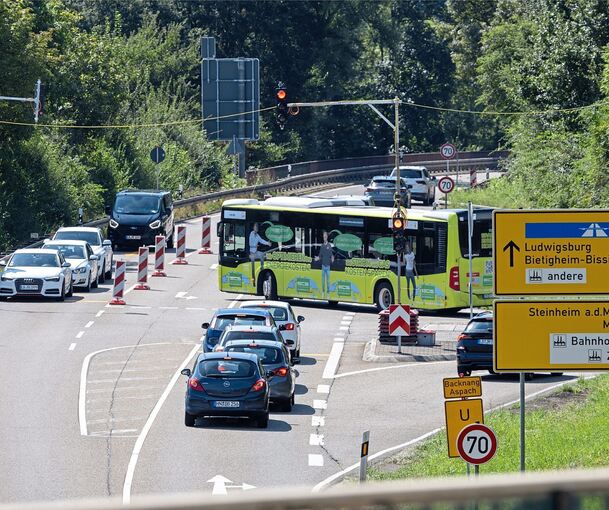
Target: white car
(84, 263)
(101, 247)
(423, 184)
(285, 319)
(36, 272)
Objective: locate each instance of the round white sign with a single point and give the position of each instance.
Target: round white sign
(477, 443)
(446, 184)
(448, 151)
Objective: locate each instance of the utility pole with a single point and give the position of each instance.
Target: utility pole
(37, 100)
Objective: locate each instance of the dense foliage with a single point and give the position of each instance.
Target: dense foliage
(118, 63)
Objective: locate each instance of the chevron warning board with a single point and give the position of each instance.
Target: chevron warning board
(399, 320)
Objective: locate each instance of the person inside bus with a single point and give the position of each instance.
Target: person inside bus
(254, 240)
(326, 256)
(411, 271)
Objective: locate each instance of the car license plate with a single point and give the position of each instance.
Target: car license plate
(133, 237)
(485, 341)
(28, 287)
(226, 403)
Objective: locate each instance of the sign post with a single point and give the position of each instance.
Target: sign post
(363, 458)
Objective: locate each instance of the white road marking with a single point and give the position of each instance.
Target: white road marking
(323, 388)
(213, 267)
(235, 302)
(318, 421)
(194, 309)
(72, 347)
(351, 313)
(100, 313)
(340, 474)
(130, 289)
(320, 404)
(333, 359)
(345, 323)
(392, 367)
(168, 308)
(89, 324)
(82, 392)
(121, 431)
(344, 328)
(137, 307)
(139, 443)
(80, 334)
(181, 294)
(316, 460)
(339, 339)
(316, 439)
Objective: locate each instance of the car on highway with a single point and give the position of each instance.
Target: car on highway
(36, 272)
(423, 184)
(101, 247)
(84, 263)
(381, 190)
(227, 384)
(227, 316)
(286, 320)
(137, 216)
(276, 359)
(253, 333)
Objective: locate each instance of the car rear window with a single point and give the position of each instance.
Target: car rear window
(279, 314)
(268, 355)
(227, 368)
(75, 235)
(69, 251)
(247, 320)
(250, 335)
(480, 326)
(411, 174)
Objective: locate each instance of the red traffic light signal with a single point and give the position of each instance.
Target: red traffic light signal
(282, 104)
(398, 223)
(281, 94)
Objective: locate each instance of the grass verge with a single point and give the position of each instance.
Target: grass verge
(565, 429)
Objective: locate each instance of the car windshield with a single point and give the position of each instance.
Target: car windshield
(245, 320)
(227, 368)
(78, 235)
(249, 335)
(34, 260)
(137, 204)
(69, 251)
(480, 326)
(278, 313)
(268, 355)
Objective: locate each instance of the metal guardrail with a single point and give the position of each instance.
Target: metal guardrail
(558, 490)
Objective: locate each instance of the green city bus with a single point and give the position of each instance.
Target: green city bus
(342, 250)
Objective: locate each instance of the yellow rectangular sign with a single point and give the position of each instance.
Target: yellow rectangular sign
(460, 413)
(462, 387)
(552, 336)
(558, 251)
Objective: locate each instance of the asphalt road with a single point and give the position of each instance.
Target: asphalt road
(92, 399)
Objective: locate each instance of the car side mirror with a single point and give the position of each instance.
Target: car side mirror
(205, 325)
(186, 372)
(2, 262)
(93, 257)
(300, 318)
(107, 242)
(65, 264)
(219, 228)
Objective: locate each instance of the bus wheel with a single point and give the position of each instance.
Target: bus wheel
(383, 295)
(269, 286)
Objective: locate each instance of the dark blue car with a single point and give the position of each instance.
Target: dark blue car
(475, 345)
(227, 384)
(226, 316)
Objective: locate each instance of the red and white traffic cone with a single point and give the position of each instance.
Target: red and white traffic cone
(473, 178)
(206, 236)
(119, 283)
(159, 256)
(181, 247)
(142, 269)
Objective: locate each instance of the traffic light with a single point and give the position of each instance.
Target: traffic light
(281, 95)
(398, 226)
(39, 100)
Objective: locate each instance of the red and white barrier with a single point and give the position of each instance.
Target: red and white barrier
(119, 283)
(142, 269)
(159, 256)
(181, 247)
(473, 178)
(206, 236)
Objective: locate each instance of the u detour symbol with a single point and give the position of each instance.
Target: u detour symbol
(459, 414)
(477, 443)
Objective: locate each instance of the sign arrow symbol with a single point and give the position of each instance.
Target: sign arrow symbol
(511, 246)
(221, 485)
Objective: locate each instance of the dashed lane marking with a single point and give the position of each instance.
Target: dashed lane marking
(72, 347)
(344, 328)
(89, 324)
(333, 359)
(316, 439)
(318, 421)
(316, 460)
(323, 388)
(80, 334)
(320, 404)
(213, 267)
(100, 313)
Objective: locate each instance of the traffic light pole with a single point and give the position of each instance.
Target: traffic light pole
(35, 100)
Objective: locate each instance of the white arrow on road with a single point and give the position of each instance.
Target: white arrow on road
(182, 295)
(220, 485)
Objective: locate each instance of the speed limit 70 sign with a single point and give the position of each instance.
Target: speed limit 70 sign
(477, 443)
(446, 184)
(448, 151)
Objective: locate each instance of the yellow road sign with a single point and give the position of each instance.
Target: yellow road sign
(462, 387)
(460, 413)
(551, 252)
(552, 336)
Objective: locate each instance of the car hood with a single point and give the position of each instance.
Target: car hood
(31, 272)
(74, 263)
(135, 220)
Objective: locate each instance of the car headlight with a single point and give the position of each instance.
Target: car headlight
(7, 277)
(155, 224)
(51, 279)
(80, 270)
(113, 224)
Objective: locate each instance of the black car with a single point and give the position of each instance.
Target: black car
(137, 216)
(475, 345)
(229, 316)
(227, 384)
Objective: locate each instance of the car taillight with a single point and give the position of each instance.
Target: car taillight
(461, 336)
(259, 385)
(453, 280)
(281, 371)
(290, 326)
(195, 384)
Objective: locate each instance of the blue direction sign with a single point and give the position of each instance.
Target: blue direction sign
(157, 154)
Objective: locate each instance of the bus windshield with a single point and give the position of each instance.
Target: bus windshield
(482, 238)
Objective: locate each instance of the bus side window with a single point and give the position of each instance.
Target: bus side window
(233, 239)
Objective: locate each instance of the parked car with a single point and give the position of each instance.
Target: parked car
(286, 320)
(137, 216)
(36, 272)
(276, 359)
(82, 260)
(227, 384)
(228, 316)
(381, 191)
(93, 235)
(423, 185)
